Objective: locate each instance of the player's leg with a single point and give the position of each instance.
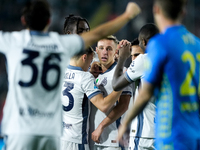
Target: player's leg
(65, 145)
(106, 148)
(24, 142)
(146, 144)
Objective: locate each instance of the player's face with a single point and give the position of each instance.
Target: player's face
(82, 27)
(106, 52)
(135, 51)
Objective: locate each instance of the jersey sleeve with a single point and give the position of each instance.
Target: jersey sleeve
(136, 69)
(73, 44)
(128, 89)
(89, 86)
(157, 57)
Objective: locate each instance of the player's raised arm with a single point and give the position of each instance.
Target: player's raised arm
(119, 81)
(112, 26)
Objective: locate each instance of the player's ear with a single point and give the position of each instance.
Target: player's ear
(155, 9)
(96, 49)
(84, 57)
(49, 21)
(68, 32)
(144, 42)
(23, 21)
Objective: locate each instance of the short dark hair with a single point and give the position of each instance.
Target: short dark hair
(71, 20)
(148, 31)
(135, 42)
(88, 51)
(172, 8)
(36, 14)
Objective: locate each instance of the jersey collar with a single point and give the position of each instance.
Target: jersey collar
(32, 32)
(111, 67)
(75, 68)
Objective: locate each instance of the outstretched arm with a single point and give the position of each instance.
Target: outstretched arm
(116, 112)
(112, 26)
(142, 99)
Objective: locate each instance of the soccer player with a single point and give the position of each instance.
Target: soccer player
(106, 124)
(142, 128)
(36, 60)
(79, 88)
(173, 76)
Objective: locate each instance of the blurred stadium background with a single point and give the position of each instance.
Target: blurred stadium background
(96, 12)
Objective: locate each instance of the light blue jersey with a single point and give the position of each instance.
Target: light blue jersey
(174, 70)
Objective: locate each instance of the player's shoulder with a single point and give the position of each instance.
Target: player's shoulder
(14, 34)
(157, 38)
(157, 42)
(86, 76)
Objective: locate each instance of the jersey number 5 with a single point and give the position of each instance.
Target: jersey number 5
(46, 67)
(66, 92)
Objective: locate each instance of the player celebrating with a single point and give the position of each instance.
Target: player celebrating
(142, 128)
(36, 61)
(173, 76)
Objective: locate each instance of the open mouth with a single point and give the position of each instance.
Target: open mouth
(104, 58)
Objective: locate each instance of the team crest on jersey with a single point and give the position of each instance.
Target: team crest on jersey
(104, 81)
(95, 85)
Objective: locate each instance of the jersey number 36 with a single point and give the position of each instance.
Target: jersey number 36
(45, 69)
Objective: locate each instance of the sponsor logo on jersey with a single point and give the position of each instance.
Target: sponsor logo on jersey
(67, 126)
(131, 67)
(34, 112)
(49, 47)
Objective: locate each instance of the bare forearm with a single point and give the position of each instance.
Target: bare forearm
(119, 82)
(104, 104)
(113, 116)
(110, 100)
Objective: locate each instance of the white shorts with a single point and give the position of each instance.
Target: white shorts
(30, 142)
(141, 143)
(97, 147)
(66, 145)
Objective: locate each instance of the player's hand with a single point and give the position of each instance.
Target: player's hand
(124, 47)
(121, 131)
(96, 69)
(132, 10)
(96, 134)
